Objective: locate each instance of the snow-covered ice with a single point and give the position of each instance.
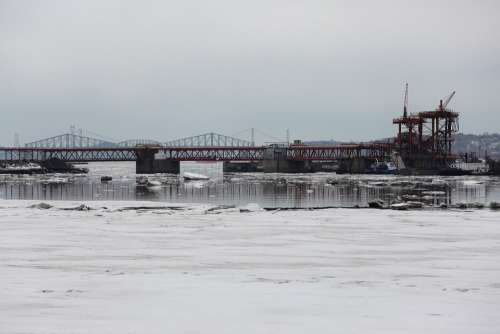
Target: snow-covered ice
(194, 176)
(142, 267)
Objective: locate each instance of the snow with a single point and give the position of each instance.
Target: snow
(194, 176)
(154, 183)
(56, 180)
(472, 182)
(143, 267)
(26, 166)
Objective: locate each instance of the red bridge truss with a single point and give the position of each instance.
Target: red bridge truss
(338, 152)
(296, 153)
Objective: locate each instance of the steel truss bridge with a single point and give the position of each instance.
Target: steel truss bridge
(71, 140)
(244, 153)
(209, 140)
(68, 140)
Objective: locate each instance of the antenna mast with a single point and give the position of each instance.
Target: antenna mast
(405, 108)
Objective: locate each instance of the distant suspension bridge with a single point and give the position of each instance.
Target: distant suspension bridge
(81, 140)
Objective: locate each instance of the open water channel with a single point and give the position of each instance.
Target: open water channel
(267, 190)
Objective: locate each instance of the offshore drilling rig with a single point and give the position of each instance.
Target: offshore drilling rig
(424, 139)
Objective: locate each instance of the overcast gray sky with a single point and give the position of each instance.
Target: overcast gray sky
(167, 69)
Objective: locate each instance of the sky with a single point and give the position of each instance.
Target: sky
(170, 69)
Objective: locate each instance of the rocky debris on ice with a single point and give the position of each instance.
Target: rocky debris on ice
(377, 184)
(376, 204)
(434, 192)
(56, 180)
(495, 205)
(251, 207)
(151, 207)
(81, 207)
(438, 182)
(410, 197)
(427, 198)
(40, 205)
(402, 203)
(111, 206)
(403, 184)
(463, 205)
(332, 182)
(144, 181)
(407, 205)
(399, 206)
(220, 208)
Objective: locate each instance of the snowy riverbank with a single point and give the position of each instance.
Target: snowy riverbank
(127, 268)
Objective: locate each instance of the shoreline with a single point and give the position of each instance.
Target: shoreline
(99, 204)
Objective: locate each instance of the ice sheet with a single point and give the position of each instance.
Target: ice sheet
(187, 269)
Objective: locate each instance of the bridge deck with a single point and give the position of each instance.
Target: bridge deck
(297, 153)
(338, 152)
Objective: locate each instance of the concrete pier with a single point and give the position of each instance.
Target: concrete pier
(324, 166)
(146, 163)
(354, 165)
(242, 167)
(275, 161)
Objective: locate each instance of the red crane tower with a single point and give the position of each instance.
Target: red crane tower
(443, 124)
(424, 139)
(409, 137)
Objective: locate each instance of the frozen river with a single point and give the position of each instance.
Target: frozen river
(148, 267)
(119, 258)
(268, 190)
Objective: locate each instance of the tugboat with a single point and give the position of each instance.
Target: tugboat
(382, 167)
(470, 166)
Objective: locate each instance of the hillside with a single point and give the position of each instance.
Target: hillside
(480, 144)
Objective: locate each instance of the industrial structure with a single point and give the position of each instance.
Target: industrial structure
(424, 139)
(423, 144)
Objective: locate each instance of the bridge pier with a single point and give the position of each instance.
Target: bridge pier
(275, 161)
(354, 165)
(147, 164)
(241, 167)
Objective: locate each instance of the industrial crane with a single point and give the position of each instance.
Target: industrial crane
(405, 108)
(442, 105)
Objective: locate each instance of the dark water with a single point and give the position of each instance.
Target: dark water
(267, 190)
